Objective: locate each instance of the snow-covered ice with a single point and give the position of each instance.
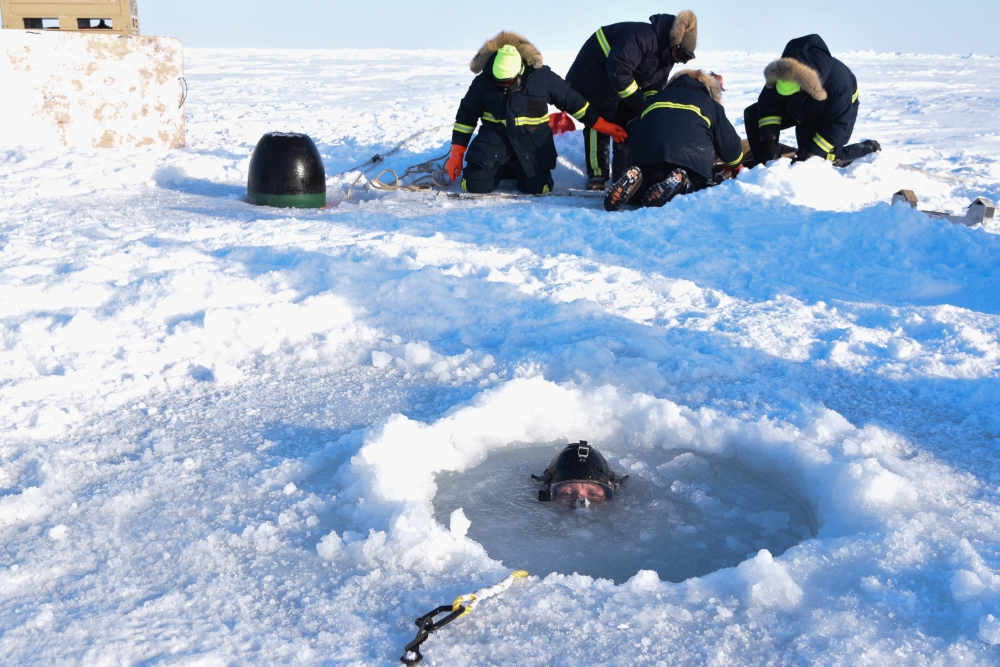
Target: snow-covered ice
(225, 427)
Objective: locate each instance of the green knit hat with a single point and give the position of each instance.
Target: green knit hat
(507, 64)
(787, 88)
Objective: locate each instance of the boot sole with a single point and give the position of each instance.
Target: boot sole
(655, 197)
(623, 190)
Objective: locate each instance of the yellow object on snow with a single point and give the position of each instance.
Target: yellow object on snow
(471, 600)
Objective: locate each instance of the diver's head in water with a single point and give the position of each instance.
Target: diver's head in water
(578, 490)
(579, 473)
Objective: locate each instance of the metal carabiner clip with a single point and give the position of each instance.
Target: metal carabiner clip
(427, 625)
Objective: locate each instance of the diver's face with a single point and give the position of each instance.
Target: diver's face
(578, 491)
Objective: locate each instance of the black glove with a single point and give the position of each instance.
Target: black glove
(872, 146)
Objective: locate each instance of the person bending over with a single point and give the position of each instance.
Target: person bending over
(511, 94)
(810, 90)
(616, 67)
(579, 473)
(675, 143)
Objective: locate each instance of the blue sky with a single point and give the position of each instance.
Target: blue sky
(761, 25)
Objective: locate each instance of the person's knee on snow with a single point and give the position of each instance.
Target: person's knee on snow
(479, 179)
(538, 185)
(479, 187)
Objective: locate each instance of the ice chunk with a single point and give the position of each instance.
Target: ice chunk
(989, 629)
(330, 546)
(459, 523)
(381, 359)
(645, 580)
(264, 538)
(769, 584)
(965, 585)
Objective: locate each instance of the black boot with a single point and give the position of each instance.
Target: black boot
(596, 183)
(667, 189)
(857, 151)
(623, 189)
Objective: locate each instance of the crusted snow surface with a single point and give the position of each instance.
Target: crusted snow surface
(223, 426)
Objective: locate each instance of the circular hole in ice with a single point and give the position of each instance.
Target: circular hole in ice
(679, 513)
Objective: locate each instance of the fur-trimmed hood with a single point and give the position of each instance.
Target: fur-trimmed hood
(686, 22)
(702, 77)
(791, 69)
(531, 56)
(807, 62)
(670, 30)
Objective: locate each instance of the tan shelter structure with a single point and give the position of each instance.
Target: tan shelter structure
(119, 17)
(91, 90)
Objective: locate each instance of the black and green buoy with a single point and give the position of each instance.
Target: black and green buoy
(286, 171)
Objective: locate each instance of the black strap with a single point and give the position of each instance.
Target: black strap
(427, 625)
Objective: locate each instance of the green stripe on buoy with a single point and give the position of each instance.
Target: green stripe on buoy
(288, 201)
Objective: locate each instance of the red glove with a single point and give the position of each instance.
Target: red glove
(616, 132)
(730, 172)
(561, 122)
(453, 167)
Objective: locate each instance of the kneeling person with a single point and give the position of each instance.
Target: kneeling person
(511, 95)
(810, 90)
(674, 146)
(579, 473)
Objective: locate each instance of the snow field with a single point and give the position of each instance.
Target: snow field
(222, 425)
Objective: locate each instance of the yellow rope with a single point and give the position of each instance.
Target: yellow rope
(471, 600)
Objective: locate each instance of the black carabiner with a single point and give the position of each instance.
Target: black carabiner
(426, 626)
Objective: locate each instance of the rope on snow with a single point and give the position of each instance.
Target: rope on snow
(462, 606)
(473, 599)
(953, 179)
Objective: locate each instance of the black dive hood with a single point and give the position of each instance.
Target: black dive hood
(579, 462)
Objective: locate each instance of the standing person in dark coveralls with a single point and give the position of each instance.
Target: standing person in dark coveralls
(512, 94)
(675, 142)
(810, 90)
(615, 67)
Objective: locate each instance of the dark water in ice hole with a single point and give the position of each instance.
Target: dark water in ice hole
(680, 514)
